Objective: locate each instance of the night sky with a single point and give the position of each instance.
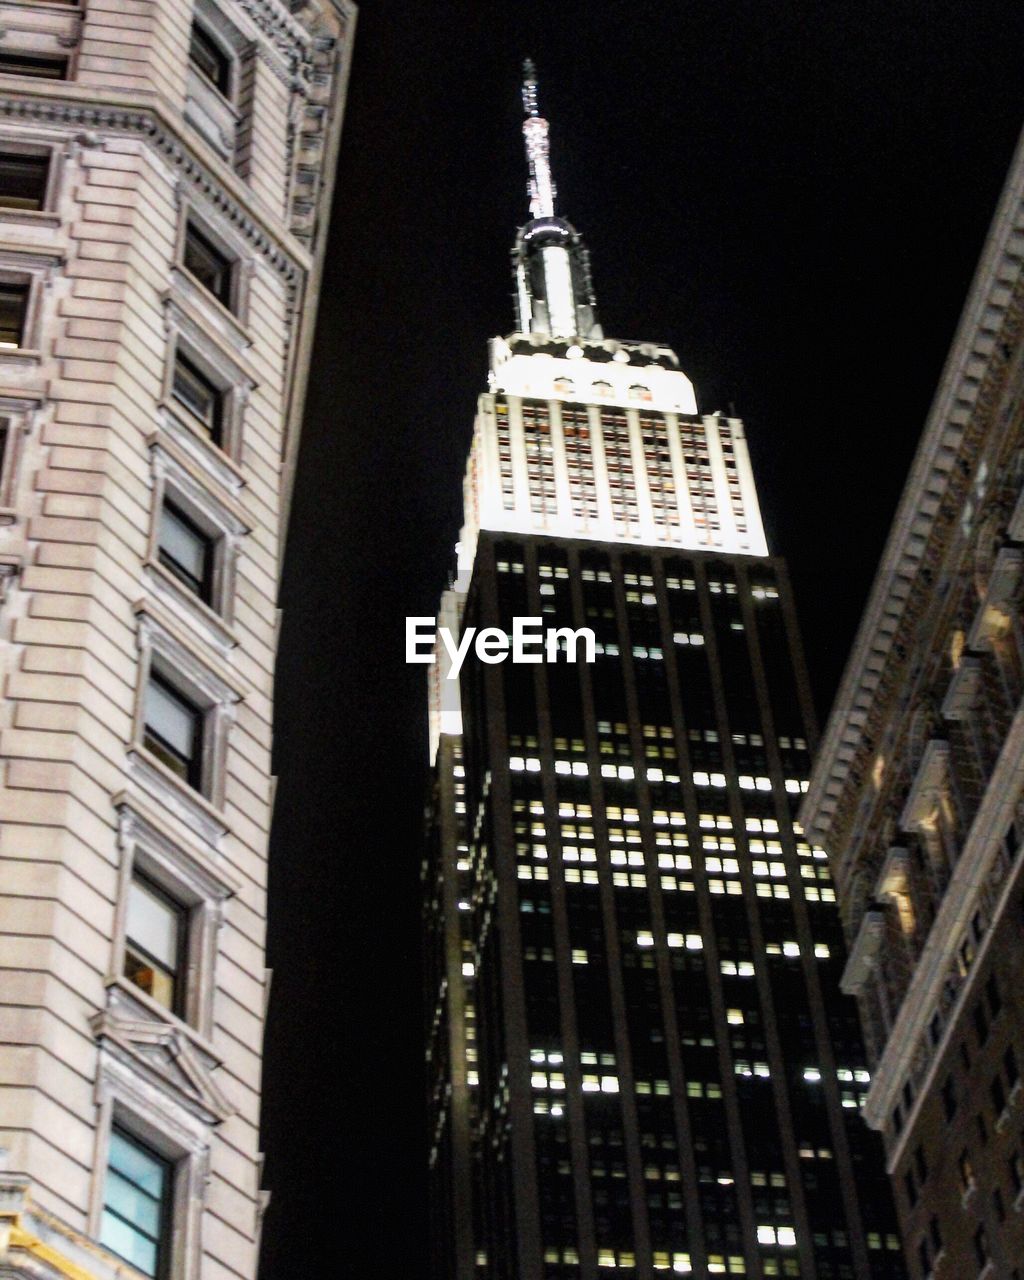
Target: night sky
(793, 196)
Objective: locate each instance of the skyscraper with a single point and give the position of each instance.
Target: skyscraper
(165, 178)
(639, 1057)
(918, 795)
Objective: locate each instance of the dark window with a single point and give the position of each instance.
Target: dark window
(897, 1119)
(209, 59)
(23, 180)
(21, 64)
(920, 1164)
(979, 1120)
(949, 1097)
(998, 1206)
(155, 938)
(137, 1204)
(174, 730)
(995, 1002)
(192, 388)
(1010, 1066)
(936, 1234)
(910, 1188)
(1017, 1171)
(998, 1094)
(186, 551)
(966, 1171)
(13, 305)
(212, 268)
(981, 1246)
(980, 1023)
(924, 1257)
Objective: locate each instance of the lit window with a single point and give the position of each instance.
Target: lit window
(21, 64)
(155, 943)
(23, 180)
(136, 1204)
(192, 388)
(211, 267)
(13, 306)
(209, 59)
(186, 551)
(174, 730)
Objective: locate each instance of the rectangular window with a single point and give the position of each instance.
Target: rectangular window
(949, 1097)
(13, 306)
(209, 59)
(23, 64)
(212, 268)
(137, 1204)
(174, 730)
(192, 388)
(981, 1246)
(1009, 1064)
(186, 551)
(23, 180)
(998, 1095)
(155, 937)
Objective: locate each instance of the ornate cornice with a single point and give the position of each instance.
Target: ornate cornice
(962, 414)
(147, 124)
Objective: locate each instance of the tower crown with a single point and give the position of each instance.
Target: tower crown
(552, 268)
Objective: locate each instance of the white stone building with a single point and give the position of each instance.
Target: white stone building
(165, 175)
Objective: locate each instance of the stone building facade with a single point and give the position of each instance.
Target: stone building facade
(918, 795)
(166, 170)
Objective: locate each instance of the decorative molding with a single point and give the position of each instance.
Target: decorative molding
(962, 413)
(163, 1056)
(147, 124)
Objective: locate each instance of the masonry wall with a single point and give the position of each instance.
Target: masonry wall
(95, 439)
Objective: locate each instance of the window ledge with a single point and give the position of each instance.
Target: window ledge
(210, 624)
(184, 802)
(20, 357)
(31, 217)
(125, 997)
(227, 323)
(220, 684)
(8, 515)
(177, 425)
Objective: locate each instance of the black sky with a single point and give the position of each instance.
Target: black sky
(793, 196)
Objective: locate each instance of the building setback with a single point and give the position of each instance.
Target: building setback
(639, 1058)
(165, 175)
(918, 795)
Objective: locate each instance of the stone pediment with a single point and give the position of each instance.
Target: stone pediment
(162, 1054)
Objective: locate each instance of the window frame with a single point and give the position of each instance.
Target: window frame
(165, 649)
(201, 889)
(183, 927)
(227, 294)
(205, 585)
(14, 149)
(193, 775)
(164, 1240)
(27, 57)
(175, 480)
(224, 56)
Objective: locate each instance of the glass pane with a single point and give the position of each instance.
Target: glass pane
(19, 64)
(154, 924)
(196, 393)
(138, 1165)
(208, 58)
(13, 298)
(209, 266)
(172, 718)
(147, 975)
(131, 1204)
(23, 181)
(185, 546)
(121, 1239)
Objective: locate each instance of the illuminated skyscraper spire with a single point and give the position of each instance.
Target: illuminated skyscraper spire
(553, 289)
(535, 131)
